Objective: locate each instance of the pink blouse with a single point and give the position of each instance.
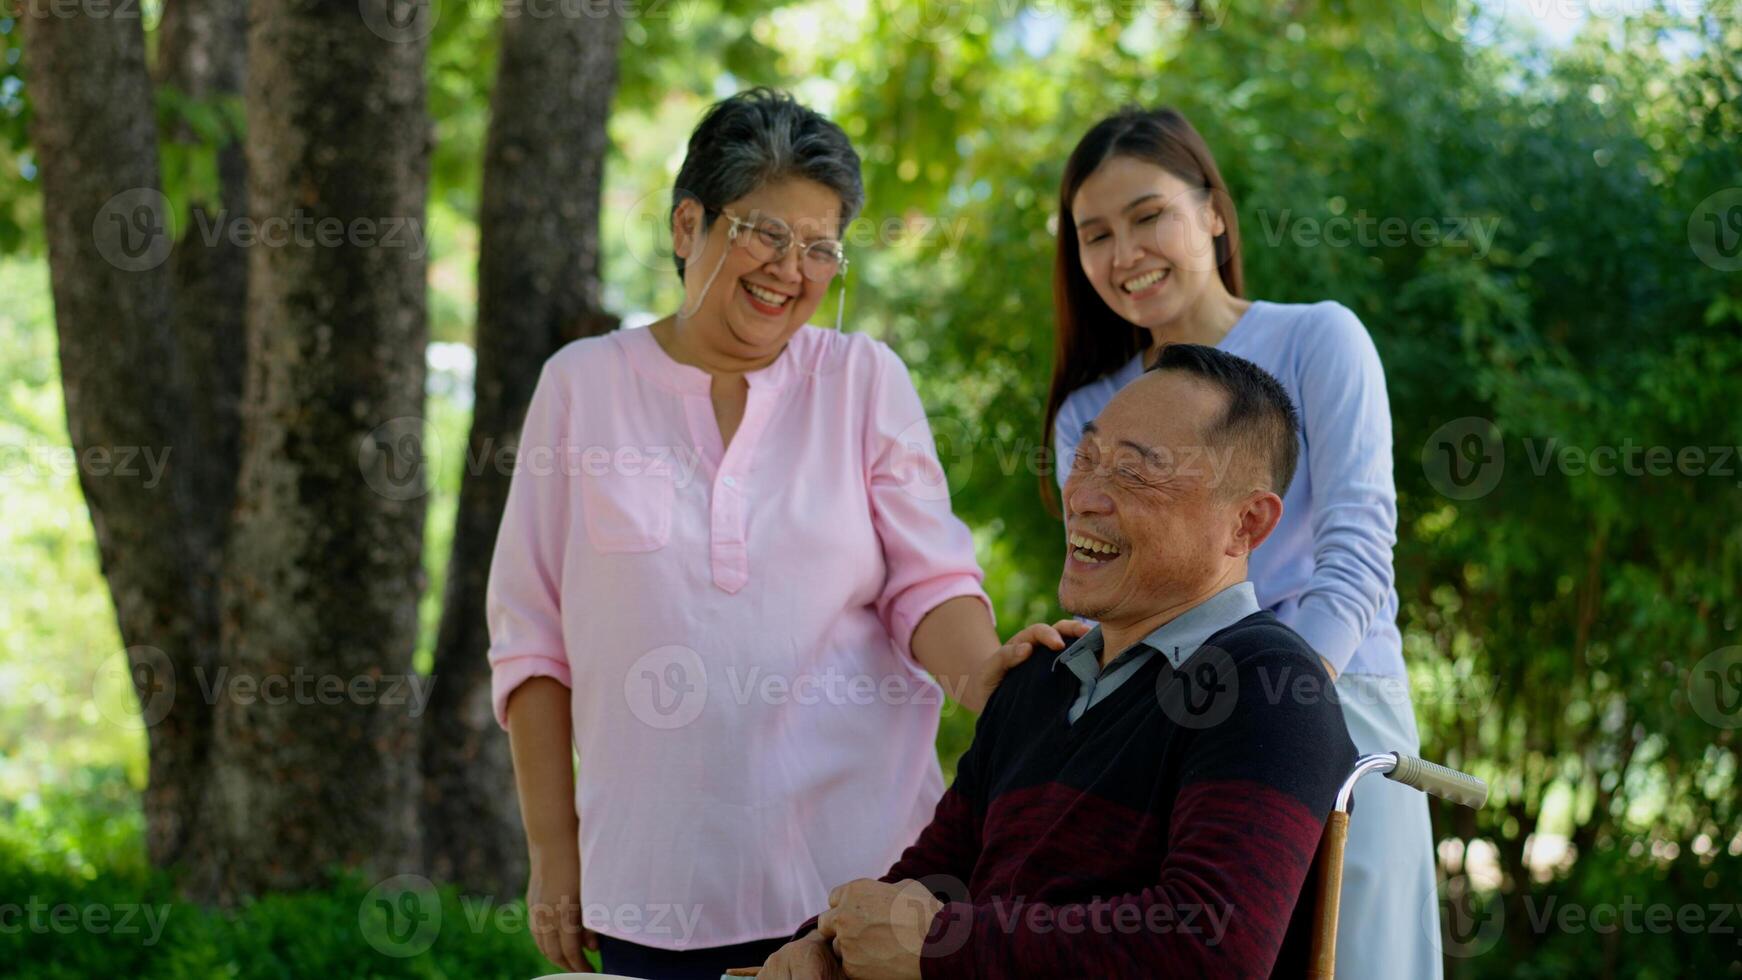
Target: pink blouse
(733, 626)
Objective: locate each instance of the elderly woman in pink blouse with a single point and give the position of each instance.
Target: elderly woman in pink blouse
(726, 566)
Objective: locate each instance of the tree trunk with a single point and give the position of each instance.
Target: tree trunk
(108, 232)
(538, 287)
(314, 749)
(202, 53)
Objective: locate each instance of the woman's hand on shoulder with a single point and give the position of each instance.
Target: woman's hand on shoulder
(1019, 647)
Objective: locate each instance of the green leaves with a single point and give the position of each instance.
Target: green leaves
(191, 133)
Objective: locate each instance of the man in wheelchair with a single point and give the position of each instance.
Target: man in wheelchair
(1148, 802)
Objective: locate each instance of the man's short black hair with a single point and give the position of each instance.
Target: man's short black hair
(1260, 421)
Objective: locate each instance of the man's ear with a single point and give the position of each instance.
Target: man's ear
(1257, 518)
(686, 228)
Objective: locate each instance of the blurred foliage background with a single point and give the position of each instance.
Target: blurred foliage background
(1569, 179)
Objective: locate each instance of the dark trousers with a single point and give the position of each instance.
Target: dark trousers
(648, 963)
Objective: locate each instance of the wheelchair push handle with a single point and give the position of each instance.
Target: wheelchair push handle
(1447, 784)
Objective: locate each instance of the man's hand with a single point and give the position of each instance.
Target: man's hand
(1017, 649)
(805, 958)
(878, 929)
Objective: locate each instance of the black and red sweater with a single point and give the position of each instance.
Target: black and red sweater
(1168, 832)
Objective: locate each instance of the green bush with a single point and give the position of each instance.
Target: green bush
(60, 919)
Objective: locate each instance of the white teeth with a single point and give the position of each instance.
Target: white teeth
(767, 296)
(1144, 281)
(1087, 545)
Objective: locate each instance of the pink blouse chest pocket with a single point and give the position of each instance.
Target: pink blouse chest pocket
(628, 505)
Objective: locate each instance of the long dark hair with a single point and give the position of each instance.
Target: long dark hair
(1091, 340)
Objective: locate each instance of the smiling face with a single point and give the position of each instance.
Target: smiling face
(1155, 516)
(752, 308)
(1146, 240)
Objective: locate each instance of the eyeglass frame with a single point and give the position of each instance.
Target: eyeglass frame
(792, 241)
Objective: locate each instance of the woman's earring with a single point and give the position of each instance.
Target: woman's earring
(841, 300)
(687, 311)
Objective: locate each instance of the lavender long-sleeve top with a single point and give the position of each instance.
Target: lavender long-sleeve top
(1326, 571)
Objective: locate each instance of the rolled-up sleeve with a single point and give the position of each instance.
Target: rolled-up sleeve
(523, 600)
(1346, 418)
(928, 551)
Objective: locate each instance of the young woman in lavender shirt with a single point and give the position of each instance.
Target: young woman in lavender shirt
(1148, 255)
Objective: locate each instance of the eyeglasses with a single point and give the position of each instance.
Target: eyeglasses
(768, 239)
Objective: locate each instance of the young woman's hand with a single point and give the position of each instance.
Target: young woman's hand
(1017, 649)
(553, 909)
(806, 958)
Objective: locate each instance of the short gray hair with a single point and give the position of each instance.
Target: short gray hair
(762, 135)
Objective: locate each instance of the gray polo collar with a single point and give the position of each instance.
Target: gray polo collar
(1181, 636)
